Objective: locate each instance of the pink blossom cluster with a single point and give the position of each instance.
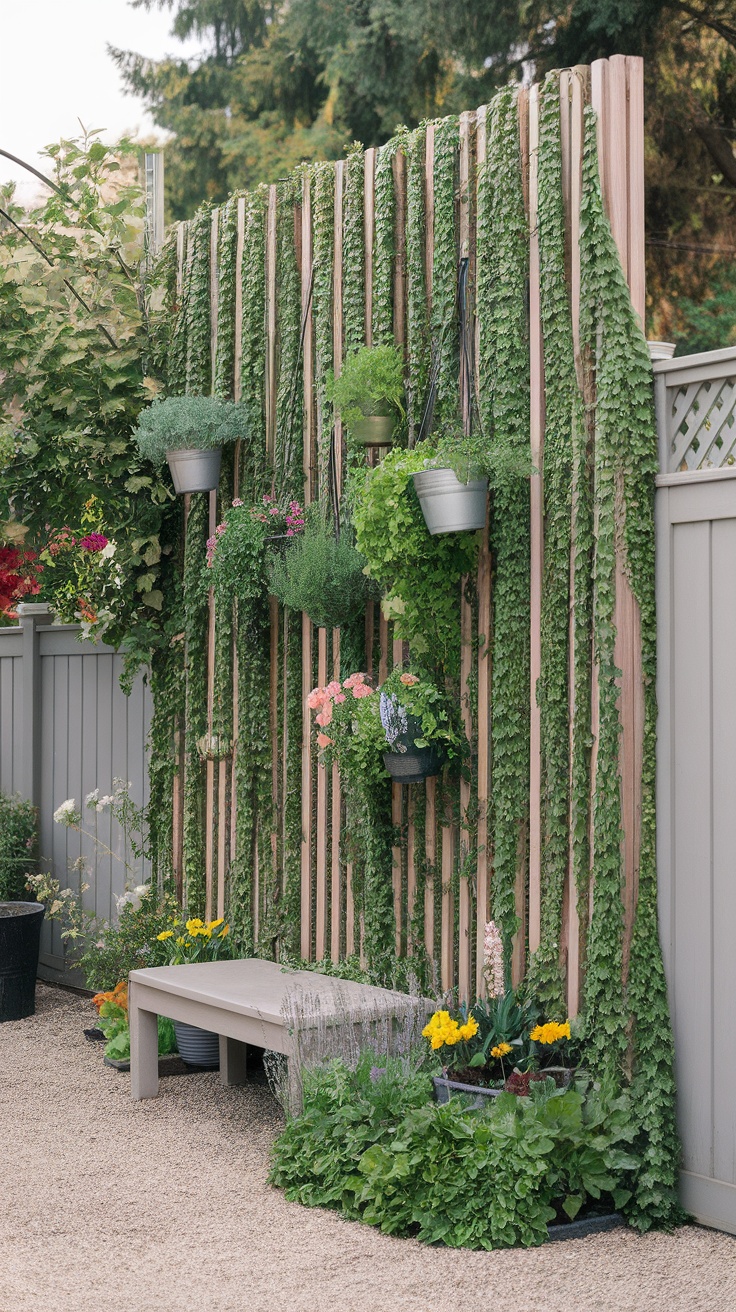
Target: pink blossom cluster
(493, 960)
(323, 700)
(212, 544)
(294, 519)
(93, 542)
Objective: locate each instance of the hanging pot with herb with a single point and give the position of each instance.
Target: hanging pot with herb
(369, 394)
(189, 432)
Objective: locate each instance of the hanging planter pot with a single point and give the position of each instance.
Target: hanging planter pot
(409, 764)
(195, 471)
(20, 932)
(448, 505)
(373, 430)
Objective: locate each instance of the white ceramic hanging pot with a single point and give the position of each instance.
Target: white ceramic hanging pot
(448, 505)
(195, 471)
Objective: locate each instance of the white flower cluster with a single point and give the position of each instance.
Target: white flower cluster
(493, 961)
(133, 897)
(67, 814)
(97, 803)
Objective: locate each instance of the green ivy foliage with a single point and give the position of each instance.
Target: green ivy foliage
(323, 237)
(504, 413)
(384, 247)
(626, 444)
(444, 318)
(288, 471)
(199, 339)
(417, 316)
(227, 238)
(353, 251)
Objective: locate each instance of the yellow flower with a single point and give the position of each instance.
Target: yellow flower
(501, 1049)
(469, 1029)
(224, 932)
(194, 927)
(212, 924)
(168, 933)
(550, 1032)
(180, 942)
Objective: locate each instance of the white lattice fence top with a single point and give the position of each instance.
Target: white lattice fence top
(696, 411)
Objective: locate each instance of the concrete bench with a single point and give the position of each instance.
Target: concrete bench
(255, 1002)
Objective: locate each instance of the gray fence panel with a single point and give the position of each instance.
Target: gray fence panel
(88, 733)
(696, 774)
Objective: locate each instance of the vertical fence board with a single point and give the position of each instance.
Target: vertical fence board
(483, 674)
(271, 381)
(321, 890)
(336, 899)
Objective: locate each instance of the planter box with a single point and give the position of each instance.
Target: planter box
(444, 1089)
(587, 1225)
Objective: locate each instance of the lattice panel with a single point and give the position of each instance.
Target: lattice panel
(702, 424)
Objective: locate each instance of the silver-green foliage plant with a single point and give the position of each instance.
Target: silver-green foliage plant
(192, 423)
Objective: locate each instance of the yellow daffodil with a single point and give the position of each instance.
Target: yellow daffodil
(213, 924)
(194, 927)
(168, 933)
(224, 932)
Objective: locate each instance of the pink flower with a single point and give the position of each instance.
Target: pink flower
(315, 698)
(332, 688)
(362, 690)
(339, 697)
(408, 679)
(238, 501)
(93, 542)
(323, 740)
(353, 680)
(325, 716)
(274, 510)
(220, 529)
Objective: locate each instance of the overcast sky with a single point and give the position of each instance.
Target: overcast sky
(55, 70)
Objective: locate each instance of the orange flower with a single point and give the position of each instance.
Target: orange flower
(409, 679)
(323, 740)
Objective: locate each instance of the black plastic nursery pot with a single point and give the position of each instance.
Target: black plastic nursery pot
(413, 765)
(20, 934)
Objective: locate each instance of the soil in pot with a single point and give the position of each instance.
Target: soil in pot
(20, 933)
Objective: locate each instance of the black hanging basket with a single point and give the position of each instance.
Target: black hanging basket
(20, 933)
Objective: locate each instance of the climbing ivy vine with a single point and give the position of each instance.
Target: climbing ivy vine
(384, 247)
(444, 321)
(417, 316)
(323, 238)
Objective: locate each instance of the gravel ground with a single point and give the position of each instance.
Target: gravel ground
(110, 1204)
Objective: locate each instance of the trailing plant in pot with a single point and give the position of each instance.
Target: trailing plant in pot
(418, 725)
(184, 943)
(322, 575)
(237, 553)
(457, 472)
(420, 573)
(190, 432)
(369, 394)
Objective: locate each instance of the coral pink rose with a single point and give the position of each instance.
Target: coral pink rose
(323, 740)
(409, 679)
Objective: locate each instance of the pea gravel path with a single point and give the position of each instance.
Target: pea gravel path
(107, 1204)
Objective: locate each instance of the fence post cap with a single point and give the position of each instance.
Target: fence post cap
(25, 608)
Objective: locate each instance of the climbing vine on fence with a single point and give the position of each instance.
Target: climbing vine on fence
(199, 364)
(384, 247)
(504, 355)
(417, 317)
(353, 252)
(626, 437)
(226, 280)
(288, 472)
(444, 321)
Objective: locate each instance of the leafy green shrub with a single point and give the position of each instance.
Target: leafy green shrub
(420, 573)
(132, 943)
(371, 382)
(237, 553)
(322, 576)
(371, 1144)
(17, 847)
(188, 422)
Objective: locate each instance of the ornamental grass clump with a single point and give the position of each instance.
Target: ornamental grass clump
(188, 423)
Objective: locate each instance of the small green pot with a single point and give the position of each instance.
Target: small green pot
(373, 430)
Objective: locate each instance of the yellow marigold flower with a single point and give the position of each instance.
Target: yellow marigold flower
(168, 933)
(501, 1050)
(550, 1032)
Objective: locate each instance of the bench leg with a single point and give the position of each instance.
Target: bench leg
(233, 1056)
(143, 1050)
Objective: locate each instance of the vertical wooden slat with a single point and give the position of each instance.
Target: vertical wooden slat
(447, 954)
(637, 275)
(209, 820)
(271, 336)
(610, 99)
(536, 429)
(306, 848)
(466, 615)
(214, 290)
(177, 839)
(321, 889)
(411, 869)
(273, 703)
(335, 874)
(398, 165)
(430, 852)
(396, 818)
(483, 670)
(369, 233)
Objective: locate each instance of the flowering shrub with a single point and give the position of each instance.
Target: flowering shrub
(350, 710)
(484, 1044)
(19, 578)
(82, 579)
(411, 706)
(112, 1019)
(195, 940)
(236, 562)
